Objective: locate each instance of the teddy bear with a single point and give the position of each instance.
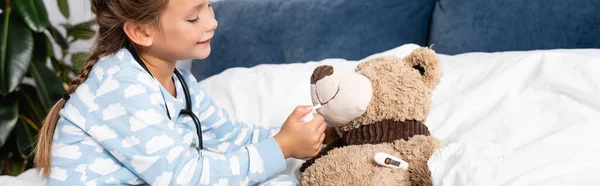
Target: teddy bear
(381, 107)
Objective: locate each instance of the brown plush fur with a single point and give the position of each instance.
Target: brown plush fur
(429, 60)
(354, 165)
(400, 92)
(416, 152)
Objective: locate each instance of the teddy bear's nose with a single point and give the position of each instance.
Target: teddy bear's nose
(320, 73)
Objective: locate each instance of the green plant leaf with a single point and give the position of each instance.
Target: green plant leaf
(25, 138)
(58, 38)
(40, 46)
(78, 61)
(63, 5)
(82, 31)
(66, 25)
(29, 103)
(14, 60)
(1, 163)
(62, 70)
(16, 167)
(49, 87)
(49, 47)
(9, 112)
(34, 13)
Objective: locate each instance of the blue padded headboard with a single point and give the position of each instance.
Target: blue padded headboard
(460, 26)
(253, 32)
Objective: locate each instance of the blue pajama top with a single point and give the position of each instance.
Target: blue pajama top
(115, 130)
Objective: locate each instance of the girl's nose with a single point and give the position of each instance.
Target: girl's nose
(212, 26)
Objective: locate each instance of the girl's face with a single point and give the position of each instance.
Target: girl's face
(186, 28)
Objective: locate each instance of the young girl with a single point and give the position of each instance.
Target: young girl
(120, 122)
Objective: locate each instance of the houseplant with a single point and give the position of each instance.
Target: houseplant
(33, 76)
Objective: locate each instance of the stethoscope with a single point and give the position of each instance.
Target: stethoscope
(188, 103)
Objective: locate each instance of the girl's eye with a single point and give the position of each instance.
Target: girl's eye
(193, 20)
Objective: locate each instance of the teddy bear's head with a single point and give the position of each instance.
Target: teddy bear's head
(385, 99)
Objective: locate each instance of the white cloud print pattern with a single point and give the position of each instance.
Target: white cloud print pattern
(157, 143)
(115, 130)
(133, 90)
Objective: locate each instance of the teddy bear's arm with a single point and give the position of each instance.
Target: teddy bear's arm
(335, 144)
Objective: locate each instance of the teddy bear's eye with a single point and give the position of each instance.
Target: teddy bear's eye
(420, 69)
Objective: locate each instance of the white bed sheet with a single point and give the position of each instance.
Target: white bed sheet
(518, 118)
(508, 118)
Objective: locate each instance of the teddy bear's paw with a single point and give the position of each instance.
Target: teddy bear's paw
(419, 173)
(417, 147)
(416, 151)
(354, 165)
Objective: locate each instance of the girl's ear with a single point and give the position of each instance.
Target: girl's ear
(140, 34)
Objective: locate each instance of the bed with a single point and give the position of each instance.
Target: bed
(519, 102)
(519, 118)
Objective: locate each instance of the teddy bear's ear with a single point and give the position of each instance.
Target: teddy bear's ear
(427, 63)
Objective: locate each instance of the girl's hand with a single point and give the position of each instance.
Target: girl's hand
(301, 140)
(330, 135)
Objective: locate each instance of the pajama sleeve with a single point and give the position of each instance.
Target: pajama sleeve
(220, 133)
(133, 126)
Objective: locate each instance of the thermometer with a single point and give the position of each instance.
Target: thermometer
(387, 160)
